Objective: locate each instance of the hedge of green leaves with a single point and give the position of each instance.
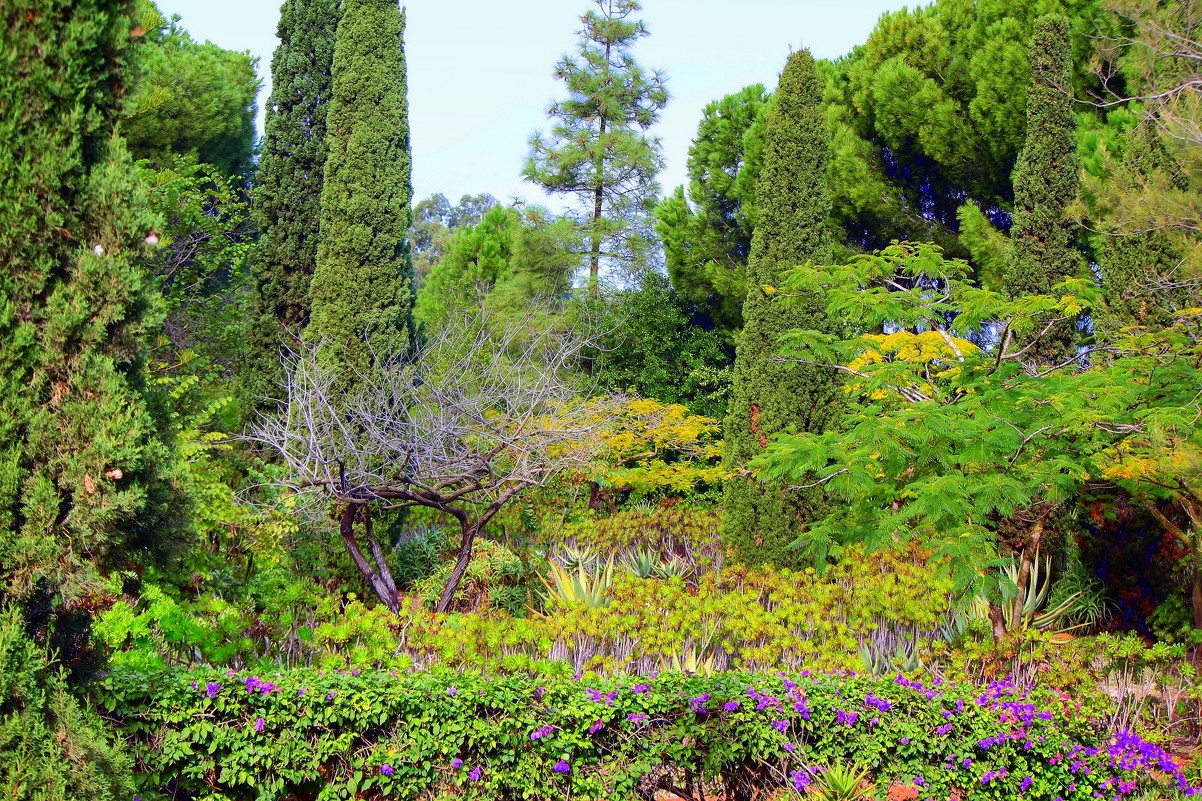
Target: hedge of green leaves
(305, 734)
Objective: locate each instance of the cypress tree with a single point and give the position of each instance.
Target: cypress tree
(1045, 180)
(84, 472)
(362, 287)
(287, 195)
(770, 396)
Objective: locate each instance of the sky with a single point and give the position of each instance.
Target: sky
(480, 72)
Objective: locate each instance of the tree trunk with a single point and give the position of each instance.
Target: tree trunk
(377, 553)
(997, 622)
(1195, 598)
(461, 563)
(1030, 552)
(384, 592)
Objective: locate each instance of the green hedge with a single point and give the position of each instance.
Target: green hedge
(305, 734)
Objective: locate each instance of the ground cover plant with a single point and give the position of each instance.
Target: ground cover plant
(228, 734)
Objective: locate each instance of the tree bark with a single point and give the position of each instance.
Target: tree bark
(461, 562)
(346, 527)
(377, 553)
(1030, 552)
(997, 622)
(1196, 597)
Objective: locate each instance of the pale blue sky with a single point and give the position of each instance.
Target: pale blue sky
(480, 72)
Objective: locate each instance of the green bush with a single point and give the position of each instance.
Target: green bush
(374, 735)
(52, 747)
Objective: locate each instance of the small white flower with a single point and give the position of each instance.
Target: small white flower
(99, 251)
(152, 239)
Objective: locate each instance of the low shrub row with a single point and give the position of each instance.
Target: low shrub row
(868, 609)
(307, 734)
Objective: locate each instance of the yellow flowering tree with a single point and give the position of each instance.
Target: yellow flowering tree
(958, 425)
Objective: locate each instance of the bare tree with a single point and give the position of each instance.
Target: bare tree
(478, 415)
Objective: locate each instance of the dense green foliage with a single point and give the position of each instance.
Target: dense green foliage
(362, 290)
(1042, 249)
(52, 747)
(85, 474)
(288, 185)
(948, 452)
(599, 150)
(192, 100)
(707, 243)
(548, 736)
(653, 346)
(435, 221)
(502, 264)
(769, 395)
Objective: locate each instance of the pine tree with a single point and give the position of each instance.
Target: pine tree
(1043, 251)
(707, 238)
(287, 196)
(770, 396)
(599, 149)
(362, 288)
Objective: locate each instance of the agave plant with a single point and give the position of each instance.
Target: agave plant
(1074, 610)
(580, 584)
(841, 782)
(642, 563)
(675, 567)
(880, 663)
(690, 659)
(574, 557)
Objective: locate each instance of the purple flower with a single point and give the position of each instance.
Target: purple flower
(541, 732)
(731, 706)
(800, 780)
(386, 769)
(636, 719)
(456, 763)
(259, 726)
(452, 691)
(1026, 784)
(212, 688)
(596, 727)
(562, 767)
(780, 725)
(475, 774)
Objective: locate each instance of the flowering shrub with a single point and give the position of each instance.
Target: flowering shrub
(376, 735)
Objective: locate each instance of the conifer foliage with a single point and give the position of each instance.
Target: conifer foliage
(362, 287)
(599, 149)
(1046, 176)
(83, 470)
(770, 395)
(287, 206)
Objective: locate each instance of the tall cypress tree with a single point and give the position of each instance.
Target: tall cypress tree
(769, 396)
(287, 196)
(83, 470)
(1045, 180)
(362, 288)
